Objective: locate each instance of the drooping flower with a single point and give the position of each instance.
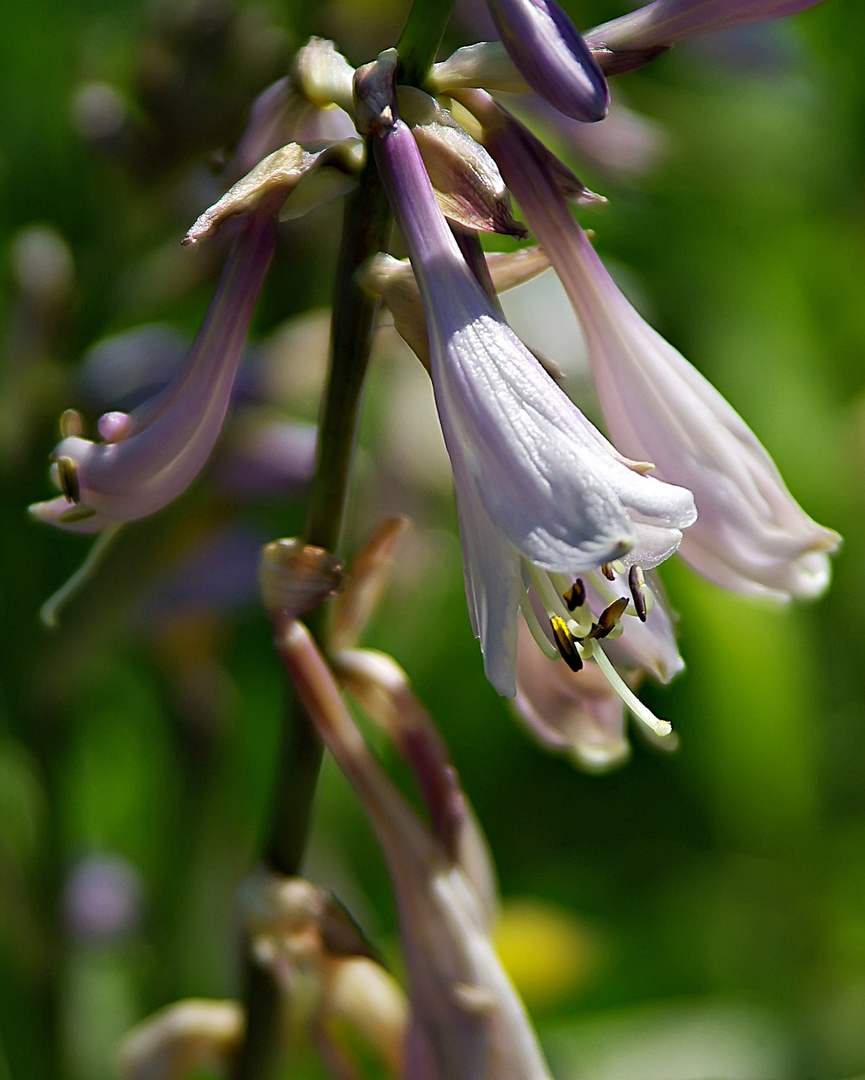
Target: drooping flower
(148, 457)
(552, 57)
(751, 536)
(539, 490)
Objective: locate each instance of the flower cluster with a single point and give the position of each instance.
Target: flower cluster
(563, 527)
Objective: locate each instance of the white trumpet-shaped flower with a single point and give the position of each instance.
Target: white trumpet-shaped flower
(751, 535)
(538, 488)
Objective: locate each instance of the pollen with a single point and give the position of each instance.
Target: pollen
(566, 643)
(637, 585)
(67, 479)
(575, 597)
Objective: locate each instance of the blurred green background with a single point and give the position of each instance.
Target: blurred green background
(698, 916)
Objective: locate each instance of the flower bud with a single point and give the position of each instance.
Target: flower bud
(552, 57)
(323, 75)
(297, 578)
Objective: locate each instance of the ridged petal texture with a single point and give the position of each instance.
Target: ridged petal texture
(533, 477)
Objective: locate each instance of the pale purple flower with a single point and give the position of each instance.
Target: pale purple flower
(664, 22)
(538, 488)
(751, 536)
(148, 457)
(552, 57)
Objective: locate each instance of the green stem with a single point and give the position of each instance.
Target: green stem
(366, 228)
(421, 37)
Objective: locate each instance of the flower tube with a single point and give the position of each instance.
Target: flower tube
(751, 535)
(552, 57)
(664, 22)
(538, 489)
(148, 457)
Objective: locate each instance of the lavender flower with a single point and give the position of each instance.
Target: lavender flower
(751, 536)
(664, 22)
(539, 490)
(552, 57)
(150, 456)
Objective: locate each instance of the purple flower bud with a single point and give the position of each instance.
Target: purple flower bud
(552, 57)
(156, 451)
(663, 23)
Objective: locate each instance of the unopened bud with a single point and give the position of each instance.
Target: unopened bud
(296, 578)
(467, 182)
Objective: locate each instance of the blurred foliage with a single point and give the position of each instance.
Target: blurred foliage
(689, 917)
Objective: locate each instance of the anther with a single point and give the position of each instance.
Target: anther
(71, 423)
(609, 618)
(637, 584)
(575, 596)
(67, 478)
(608, 572)
(565, 643)
(76, 513)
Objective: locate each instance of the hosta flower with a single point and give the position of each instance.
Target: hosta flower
(539, 490)
(665, 22)
(751, 535)
(551, 56)
(148, 457)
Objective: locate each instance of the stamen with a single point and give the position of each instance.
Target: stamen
(608, 572)
(637, 584)
(609, 618)
(575, 596)
(640, 711)
(71, 423)
(67, 478)
(76, 513)
(50, 609)
(566, 644)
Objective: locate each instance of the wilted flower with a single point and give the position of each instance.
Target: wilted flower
(539, 490)
(150, 456)
(751, 536)
(551, 56)
(466, 1018)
